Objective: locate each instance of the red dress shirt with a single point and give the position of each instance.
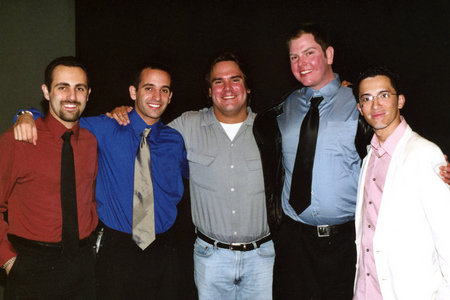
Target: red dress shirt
(30, 179)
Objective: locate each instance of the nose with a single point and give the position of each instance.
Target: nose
(157, 95)
(227, 85)
(71, 94)
(376, 101)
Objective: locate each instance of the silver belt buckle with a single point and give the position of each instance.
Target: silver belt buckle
(323, 231)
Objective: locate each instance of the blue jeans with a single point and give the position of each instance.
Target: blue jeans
(226, 274)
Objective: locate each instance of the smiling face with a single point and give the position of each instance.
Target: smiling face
(67, 94)
(382, 114)
(228, 92)
(310, 65)
(153, 94)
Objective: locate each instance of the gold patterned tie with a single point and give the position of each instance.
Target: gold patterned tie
(143, 202)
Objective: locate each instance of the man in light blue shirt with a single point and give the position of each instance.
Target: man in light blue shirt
(315, 252)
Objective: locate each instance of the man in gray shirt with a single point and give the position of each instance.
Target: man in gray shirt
(233, 253)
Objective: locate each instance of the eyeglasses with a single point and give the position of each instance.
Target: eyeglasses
(382, 96)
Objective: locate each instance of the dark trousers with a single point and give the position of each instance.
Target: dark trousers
(125, 271)
(312, 267)
(41, 272)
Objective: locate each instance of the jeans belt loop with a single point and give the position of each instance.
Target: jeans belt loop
(323, 230)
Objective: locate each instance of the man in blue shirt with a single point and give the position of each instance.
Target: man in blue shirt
(125, 271)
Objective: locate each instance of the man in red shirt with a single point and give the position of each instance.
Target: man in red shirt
(45, 244)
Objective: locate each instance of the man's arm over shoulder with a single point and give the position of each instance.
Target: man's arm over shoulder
(24, 125)
(99, 126)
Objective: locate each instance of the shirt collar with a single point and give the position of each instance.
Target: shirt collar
(210, 118)
(391, 142)
(327, 92)
(57, 129)
(139, 125)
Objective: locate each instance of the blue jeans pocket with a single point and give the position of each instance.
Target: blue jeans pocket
(203, 249)
(266, 250)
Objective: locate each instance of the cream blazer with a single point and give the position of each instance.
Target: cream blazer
(412, 237)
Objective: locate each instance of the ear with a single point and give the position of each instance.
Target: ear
(89, 92)
(170, 97)
(209, 93)
(360, 109)
(45, 92)
(330, 55)
(401, 101)
(132, 91)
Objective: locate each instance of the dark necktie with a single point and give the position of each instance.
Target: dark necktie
(70, 237)
(300, 197)
(143, 202)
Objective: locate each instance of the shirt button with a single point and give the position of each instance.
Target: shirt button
(368, 274)
(370, 202)
(373, 179)
(232, 166)
(370, 226)
(367, 250)
(235, 233)
(232, 145)
(232, 189)
(233, 212)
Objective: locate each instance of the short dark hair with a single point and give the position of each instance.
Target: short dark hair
(320, 35)
(68, 61)
(226, 56)
(149, 65)
(377, 71)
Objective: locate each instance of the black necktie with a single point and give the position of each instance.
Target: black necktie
(70, 237)
(300, 197)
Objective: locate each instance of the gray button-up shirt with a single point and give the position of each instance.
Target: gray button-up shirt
(226, 180)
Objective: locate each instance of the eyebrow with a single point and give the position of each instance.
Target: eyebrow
(153, 85)
(380, 91)
(310, 48)
(67, 84)
(232, 77)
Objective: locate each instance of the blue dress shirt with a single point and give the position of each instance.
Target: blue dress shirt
(117, 148)
(336, 161)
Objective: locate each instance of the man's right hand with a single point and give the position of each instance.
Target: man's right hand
(120, 114)
(25, 129)
(9, 264)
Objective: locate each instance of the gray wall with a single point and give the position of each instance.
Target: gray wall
(32, 33)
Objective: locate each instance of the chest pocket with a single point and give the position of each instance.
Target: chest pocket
(338, 136)
(255, 180)
(201, 173)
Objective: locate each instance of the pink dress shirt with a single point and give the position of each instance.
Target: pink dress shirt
(367, 285)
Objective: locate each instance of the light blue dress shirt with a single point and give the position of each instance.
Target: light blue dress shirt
(336, 162)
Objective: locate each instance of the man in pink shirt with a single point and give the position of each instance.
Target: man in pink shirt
(402, 212)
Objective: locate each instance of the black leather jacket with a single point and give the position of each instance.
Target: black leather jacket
(268, 138)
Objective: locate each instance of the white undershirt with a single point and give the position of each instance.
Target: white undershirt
(231, 129)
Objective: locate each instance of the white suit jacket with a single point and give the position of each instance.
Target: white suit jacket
(412, 236)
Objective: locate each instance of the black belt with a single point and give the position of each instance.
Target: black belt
(43, 245)
(235, 246)
(323, 230)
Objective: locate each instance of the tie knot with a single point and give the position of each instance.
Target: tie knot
(66, 136)
(316, 101)
(146, 132)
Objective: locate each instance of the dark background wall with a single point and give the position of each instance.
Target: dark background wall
(411, 37)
